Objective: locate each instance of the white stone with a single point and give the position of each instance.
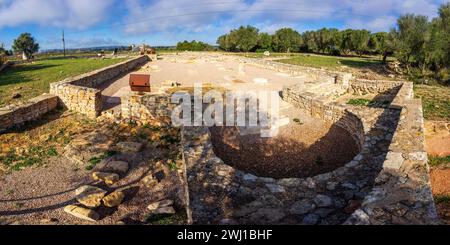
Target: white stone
(394, 161)
(274, 188)
(161, 204)
(250, 177)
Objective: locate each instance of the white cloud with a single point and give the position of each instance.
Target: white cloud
(160, 15)
(78, 14)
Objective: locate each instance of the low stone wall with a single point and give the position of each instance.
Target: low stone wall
(314, 74)
(402, 191)
(362, 86)
(148, 108)
(333, 113)
(80, 93)
(16, 115)
(387, 183)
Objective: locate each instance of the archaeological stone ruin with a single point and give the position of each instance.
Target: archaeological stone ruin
(376, 174)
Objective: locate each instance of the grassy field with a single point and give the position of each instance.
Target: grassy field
(436, 101)
(33, 79)
(331, 61)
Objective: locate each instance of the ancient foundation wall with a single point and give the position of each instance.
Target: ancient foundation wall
(402, 190)
(148, 108)
(16, 115)
(313, 74)
(80, 93)
(362, 86)
(333, 113)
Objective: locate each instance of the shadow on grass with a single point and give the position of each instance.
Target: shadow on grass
(14, 74)
(359, 63)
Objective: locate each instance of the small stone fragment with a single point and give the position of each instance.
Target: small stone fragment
(119, 167)
(82, 213)
(108, 178)
(149, 181)
(130, 147)
(164, 210)
(114, 199)
(323, 201)
(311, 219)
(164, 203)
(90, 196)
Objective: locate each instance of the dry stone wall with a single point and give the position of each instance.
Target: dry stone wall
(387, 183)
(148, 108)
(80, 93)
(16, 115)
(313, 74)
(402, 191)
(362, 86)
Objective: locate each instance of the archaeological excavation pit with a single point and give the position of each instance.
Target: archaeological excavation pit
(304, 148)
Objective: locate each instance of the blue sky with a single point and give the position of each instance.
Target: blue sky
(90, 23)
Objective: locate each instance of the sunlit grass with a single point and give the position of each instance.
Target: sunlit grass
(33, 79)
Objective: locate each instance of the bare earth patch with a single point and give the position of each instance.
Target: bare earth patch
(302, 149)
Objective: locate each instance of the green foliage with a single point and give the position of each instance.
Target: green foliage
(243, 39)
(435, 161)
(265, 42)
(412, 33)
(166, 219)
(445, 199)
(193, 46)
(32, 156)
(26, 44)
(96, 160)
(359, 102)
(287, 40)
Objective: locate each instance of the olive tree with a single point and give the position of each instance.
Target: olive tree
(25, 44)
(287, 40)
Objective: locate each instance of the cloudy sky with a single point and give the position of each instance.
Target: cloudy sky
(90, 23)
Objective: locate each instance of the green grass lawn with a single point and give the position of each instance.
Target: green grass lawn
(436, 101)
(331, 61)
(30, 80)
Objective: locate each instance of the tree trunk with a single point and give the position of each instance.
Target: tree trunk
(385, 55)
(24, 56)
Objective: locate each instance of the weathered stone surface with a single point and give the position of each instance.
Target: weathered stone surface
(13, 115)
(119, 167)
(82, 213)
(323, 201)
(250, 177)
(114, 199)
(149, 181)
(164, 210)
(108, 178)
(302, 207)
(394, 160)
(90, 196)
(275, 188)
(311, 219)
(161, 204)
(129, 146)
(269, 215)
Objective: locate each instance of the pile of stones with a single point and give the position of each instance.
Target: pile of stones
(90, 197)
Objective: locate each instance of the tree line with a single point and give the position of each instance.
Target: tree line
(193, 46)
(420, 44)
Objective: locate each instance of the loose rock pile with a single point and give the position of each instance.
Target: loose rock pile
(91, 197)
